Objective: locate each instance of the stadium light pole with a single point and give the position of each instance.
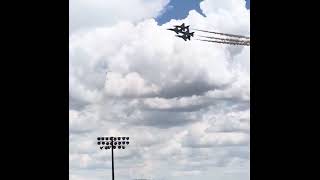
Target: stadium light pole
(112, 142)
(112, 158)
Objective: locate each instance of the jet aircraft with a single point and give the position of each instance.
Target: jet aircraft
(184, 30)
(176, 30)
(184, 36)
(183, 27)
(188, 33)
(179, 29)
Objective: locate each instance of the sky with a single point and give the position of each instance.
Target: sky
(179, 9)
(184, 105)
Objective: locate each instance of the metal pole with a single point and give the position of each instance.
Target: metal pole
(112, 158)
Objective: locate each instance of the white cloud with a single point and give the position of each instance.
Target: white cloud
(85, 14)
(83, 121)
(130, 85)
(233, 12)
(171, 67)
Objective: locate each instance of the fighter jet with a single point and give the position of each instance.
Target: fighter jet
(183, 27)
(176, 29)
(179, 29)
(184, 37)
(188, 32)
(184, 30)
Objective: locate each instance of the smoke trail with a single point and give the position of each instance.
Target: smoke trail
(225, 34)
(225, 42)
(227, 39)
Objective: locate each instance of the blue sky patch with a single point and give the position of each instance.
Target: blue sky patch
(179, 9)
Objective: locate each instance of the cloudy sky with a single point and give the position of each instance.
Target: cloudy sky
(185, 105)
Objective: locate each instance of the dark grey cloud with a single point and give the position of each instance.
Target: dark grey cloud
(164, 119)
(197, 87)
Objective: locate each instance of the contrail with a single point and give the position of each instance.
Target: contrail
(226, 39)
(225, 34)
(225, 42)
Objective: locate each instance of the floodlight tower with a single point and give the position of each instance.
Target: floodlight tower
(112, 143)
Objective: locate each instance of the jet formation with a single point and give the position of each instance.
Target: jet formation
(183, 32)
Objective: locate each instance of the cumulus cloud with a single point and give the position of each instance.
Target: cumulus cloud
(130, 85)
(82, 121)
(185, 105)
(171, 68)
(84, 14)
